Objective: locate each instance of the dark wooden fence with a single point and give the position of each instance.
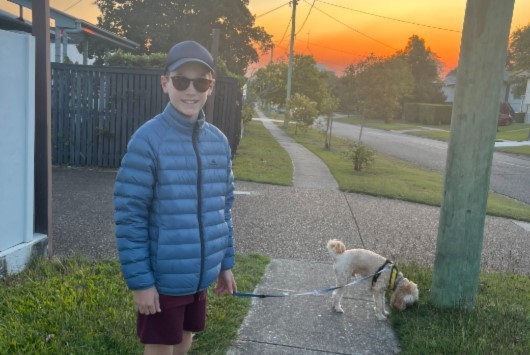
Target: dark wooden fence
(95, 110)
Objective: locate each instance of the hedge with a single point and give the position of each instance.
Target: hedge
(430, 114)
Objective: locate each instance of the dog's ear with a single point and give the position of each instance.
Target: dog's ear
(340, 247)
(397, 301)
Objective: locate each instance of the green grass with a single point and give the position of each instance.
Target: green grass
(394, 178)
(378, 124)
(81, 306)
(260, 158)
(524, 150)
(499, 324)
(515, 132)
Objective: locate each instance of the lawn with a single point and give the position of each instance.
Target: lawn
(499, 324)
(515, 132)
(260, 158)
(81, 306)
(395, 178)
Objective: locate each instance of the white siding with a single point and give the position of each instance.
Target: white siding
(17, 132)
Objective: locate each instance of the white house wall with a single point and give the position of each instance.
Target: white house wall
(17, 136)
(526, 102)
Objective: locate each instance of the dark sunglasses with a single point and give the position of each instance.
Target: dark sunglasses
(181, 83)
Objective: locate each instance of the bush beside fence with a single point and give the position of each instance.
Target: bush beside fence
(431, 114)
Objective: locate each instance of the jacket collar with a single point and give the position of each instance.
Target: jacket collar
(177, 120)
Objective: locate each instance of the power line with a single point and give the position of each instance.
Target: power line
(309, 13)
(353, 29)
(286, 29)
(390, 18)
(69, 7)
(336, 50)
(285, 50)
(268, 12)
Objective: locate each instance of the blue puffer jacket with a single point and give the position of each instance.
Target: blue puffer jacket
(172, 200)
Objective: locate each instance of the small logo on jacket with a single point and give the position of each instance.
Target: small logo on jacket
(213, 162)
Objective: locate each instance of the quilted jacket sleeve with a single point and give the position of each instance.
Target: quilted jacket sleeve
(133, 194)
(229, 259)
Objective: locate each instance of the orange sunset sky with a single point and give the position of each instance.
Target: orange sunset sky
(341, 32)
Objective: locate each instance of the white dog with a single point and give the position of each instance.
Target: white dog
(347, 263)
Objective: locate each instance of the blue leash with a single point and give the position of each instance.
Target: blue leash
(314, 292)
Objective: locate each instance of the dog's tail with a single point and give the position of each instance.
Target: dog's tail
(335, 247)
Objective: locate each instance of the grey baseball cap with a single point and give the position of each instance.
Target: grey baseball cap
(186, 52)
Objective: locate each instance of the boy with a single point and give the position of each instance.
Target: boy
(172, 199)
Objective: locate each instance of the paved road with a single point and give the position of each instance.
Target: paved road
(510, 175)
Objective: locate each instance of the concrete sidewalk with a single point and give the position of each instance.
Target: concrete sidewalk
(307, 324)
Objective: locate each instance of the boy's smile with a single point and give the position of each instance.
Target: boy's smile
(188, 101)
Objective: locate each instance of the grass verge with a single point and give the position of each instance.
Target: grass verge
(260, 158)
(394, 178)
(517, 132)
(81, 306)
(499, 324)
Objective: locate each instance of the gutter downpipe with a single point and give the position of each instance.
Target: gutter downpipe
(65, 33)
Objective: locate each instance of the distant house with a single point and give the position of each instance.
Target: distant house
(525, 105)
(449, 87)
(518, 103)
(68, 32)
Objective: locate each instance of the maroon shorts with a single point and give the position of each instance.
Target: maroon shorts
(179, 314)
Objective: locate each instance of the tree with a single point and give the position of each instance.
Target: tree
(519, 49)
(303, 111)
(307, 79)
(328, 106)
(270, 82)
(425, 68)
(379, 86)
(157, 25)
(519, 58)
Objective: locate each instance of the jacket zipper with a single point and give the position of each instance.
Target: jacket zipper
(195, 141)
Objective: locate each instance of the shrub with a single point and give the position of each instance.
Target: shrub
(411, 112)
(518, 117)
(303, 111)
(247, 112)
(125, 59)
(360, 155)
(430, 114)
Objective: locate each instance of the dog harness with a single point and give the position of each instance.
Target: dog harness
(394, 272)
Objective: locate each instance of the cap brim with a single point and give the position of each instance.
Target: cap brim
(183, 61)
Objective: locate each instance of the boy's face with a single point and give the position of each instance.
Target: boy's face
(188, 100)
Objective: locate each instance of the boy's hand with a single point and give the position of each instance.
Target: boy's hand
(146, 301)
(225, 283)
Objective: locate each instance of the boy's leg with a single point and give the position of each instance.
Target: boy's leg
(180, 349)
(184, 346)
(157, 349)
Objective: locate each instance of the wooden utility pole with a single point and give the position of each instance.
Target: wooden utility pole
(290, 67)
(469, 156)
(43, 165)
